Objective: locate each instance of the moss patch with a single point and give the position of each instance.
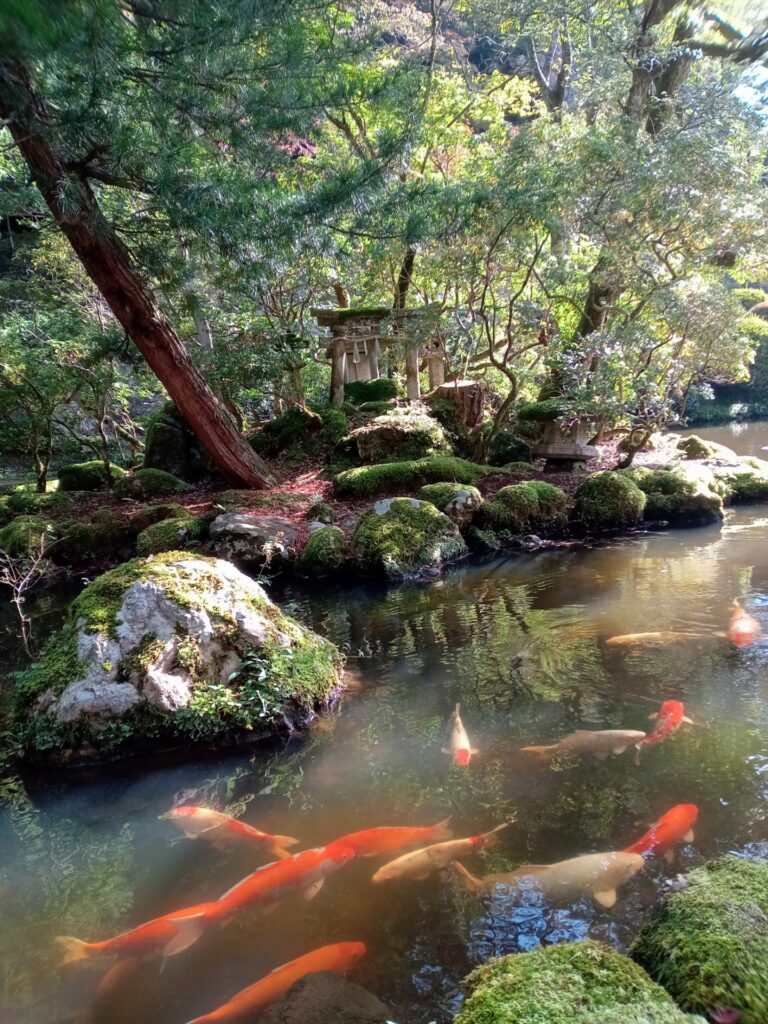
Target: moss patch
(292, 427)
(24, 535)
(107, 537)
(440, 495)
(406, 476)
(148, 483)
(320, 513)
(681, 495)
(169, 535)
(572, 983)
(266, 501)
(608, 501)
(86, 476)
(398, 435)
(529, 507)
(360, 392)
(695, 447)
(325, 552)
(400, 536)
(708, 944)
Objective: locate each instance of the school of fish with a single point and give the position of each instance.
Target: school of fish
(597, 875)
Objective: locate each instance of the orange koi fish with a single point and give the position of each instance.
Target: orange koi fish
(669, 718)
(663, 636)
(421, 863)
(744, 629)
(461, 750)
(339, 957)
(220, 829)
(373, 841)
(676, 826)
(160, 935)
(304, 872)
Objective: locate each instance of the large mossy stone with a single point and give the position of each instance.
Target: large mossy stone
(509, 447)
(87, 476)
(695, 447)
(529, 507)
(171, 534)
(174, 647)
(684, 495)
(148, 483)
(460, 502)
(25, 536)
(172, 446)
(399, 435)
(708, 944)
(287, 430)
(399, 477)
(402, 536)
(608, 501)
(324, 553)
(572, 983)
(745, 480)
(361, 392)
(108, 537)
(254, 540)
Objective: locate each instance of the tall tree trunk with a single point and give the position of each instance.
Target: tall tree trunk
(108, 264)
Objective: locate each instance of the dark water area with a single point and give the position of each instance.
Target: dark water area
(520, 642)
(743, 438)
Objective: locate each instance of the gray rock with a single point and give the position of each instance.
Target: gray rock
(326, 998)
(254, 539)
(461, 508)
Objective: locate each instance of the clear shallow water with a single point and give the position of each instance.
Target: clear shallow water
(743, 438)
(520, 642)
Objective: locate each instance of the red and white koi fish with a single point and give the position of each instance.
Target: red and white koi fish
(669, 718)
(676, 826)
(374, 841)
(744, 629)
(421, 863)
(160, 935)
(304, 872)
(222, 829)
(340, 957)
(460, 749)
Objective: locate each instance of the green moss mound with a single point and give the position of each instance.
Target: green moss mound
(573, 983)
(25, 535)
(546, 409)
(325, 552)
(507, 447)
(320, 512)
(749, 297)
(24, 500)
(148, 483)
(287, 430)
(151, 514)
(108, 537)
(695, 447)
(529, 507)
(399, 435)
(441, 494)
(360, 392)
(377, 408)
(263, 501)
(681, 495)
(608, 501)
(708, 944)
(396, 477)
(335, 422)
(401, 536)
(87, 476)
(747, 481)
(169, 535)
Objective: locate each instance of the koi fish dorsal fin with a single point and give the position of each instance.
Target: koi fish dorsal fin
(688, 837)
(442, 829)
(606, 897)
(188, 931)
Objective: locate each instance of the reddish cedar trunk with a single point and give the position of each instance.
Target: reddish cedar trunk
(108, 264)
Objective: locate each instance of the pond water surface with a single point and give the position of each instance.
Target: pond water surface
(520, 642)
(750, 438)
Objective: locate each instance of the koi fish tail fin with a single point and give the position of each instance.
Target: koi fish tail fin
(74, 949)
(543, 753)
(188, 931)
(470, 883)
(442, 829)
(489, 839)
(278, 846)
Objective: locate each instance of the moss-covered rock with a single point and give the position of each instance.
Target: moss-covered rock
(335, 422)
(401, 536)
(708, 944)
(529, 507)
(24, 500)
(287, 430)
(254, 540)
(172, 446)
(398, 435)
(509, 447)
(377, 408)
(108, 537)
(262, 501)
(695, 447)
(170, 535)
(320, 512)
(145, 484)
(87, 476)
(392, 477)
(572, 983)
(681, 495)
(325, 552)
(24, 535)
(441, 494)
(744, 481)
(172, 647)
(541, 412)
(360, 392)
(608, 501)
(148, 515)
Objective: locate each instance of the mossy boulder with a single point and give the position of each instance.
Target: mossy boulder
(680, 495)
(402, 536)
(572, 983)
(262, 501)
(335, 422)
(744, 481)
(398, 435)
(254, 540)
(24, 536)
(287, 430)
(145, 484)
(361, 392)
(608, 501)
(377, 408)
(23, 500)
(695, 447)
(509, 447)
(325, 552)
(320, 512)
(174, 647)
(148, 515)
(396, 477)
(170, 535)
(172, 446)
(108, 537)
(529, 507)
(708, 944)
(443, 494)
(87, 476)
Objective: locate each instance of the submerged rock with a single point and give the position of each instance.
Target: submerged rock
(326, 998)
(172, 646)
(402, 536)
(254, 539)
(708, 944)
(572, 983)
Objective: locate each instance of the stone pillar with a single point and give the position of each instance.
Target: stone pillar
(373, 359)
(338, 356)
(436, 370)
(412, 388)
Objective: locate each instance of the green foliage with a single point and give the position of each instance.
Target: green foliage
(361, 392)
(394, 477)
(86, 476)
(440, 494)
(324, 552)
(148, 483)
(402, 535)
(608, 501)
(335, 422)
(749, 297)
(708, 944)
(542, 411)
(171, 534)
(574, 982)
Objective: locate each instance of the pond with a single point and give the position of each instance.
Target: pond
(749, 438)
(520, 642)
